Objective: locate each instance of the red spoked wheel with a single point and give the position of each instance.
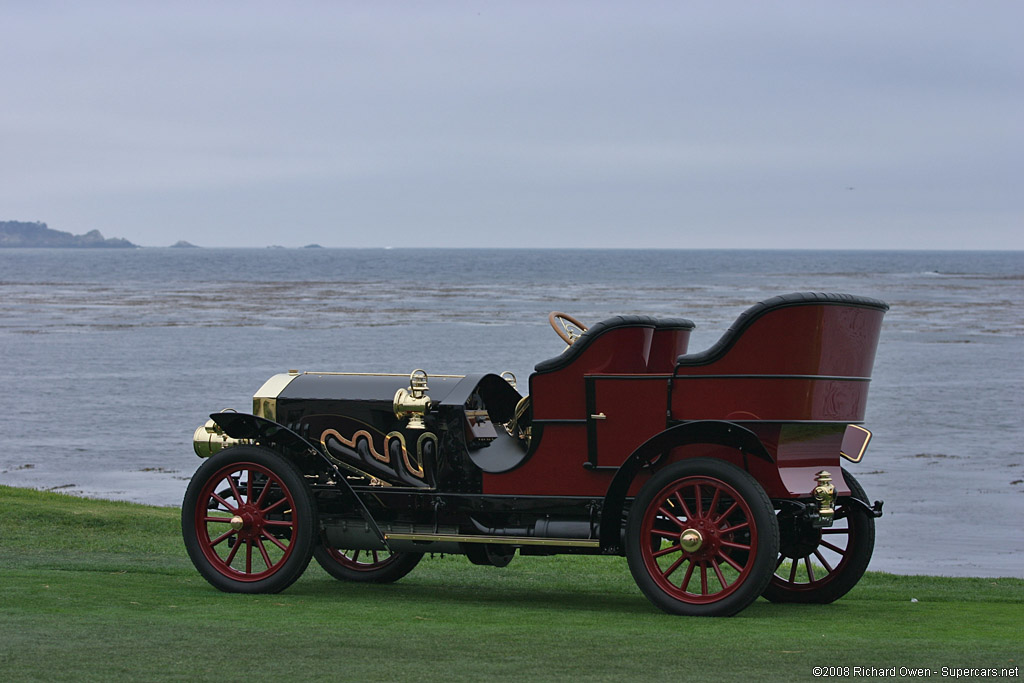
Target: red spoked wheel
(248, 521)
(822, 565)
(370, 566)
(702, 539)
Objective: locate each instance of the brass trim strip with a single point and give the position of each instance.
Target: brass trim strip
(504, 540)
(831, 378)
(677, 421)
(373, 374)
(376, 482)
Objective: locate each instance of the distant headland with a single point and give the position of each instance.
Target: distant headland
(36, 234)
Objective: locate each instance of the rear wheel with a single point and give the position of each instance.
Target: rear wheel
(248, 521)
(702, 538)
(369, 566)
(822, 565)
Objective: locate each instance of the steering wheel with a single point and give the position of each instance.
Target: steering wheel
(567, 327)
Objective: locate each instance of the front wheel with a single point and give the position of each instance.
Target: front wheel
(369, 566)
(702, 538)
(822, 565)
(248, 521)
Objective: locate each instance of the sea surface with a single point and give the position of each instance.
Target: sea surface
(111, 358)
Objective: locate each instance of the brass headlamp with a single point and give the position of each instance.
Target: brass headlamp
(413, 402)
(209, 439)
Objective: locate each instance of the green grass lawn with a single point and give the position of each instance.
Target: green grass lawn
(96, 590)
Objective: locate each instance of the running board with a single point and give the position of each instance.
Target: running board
(503, 540)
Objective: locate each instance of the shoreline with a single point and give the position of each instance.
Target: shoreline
(882, 562)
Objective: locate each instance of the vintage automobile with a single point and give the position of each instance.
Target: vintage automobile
(716, 474)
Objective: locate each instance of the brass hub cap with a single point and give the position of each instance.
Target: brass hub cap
(237, 523)
(691, 540)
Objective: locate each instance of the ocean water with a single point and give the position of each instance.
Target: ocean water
(112, 358)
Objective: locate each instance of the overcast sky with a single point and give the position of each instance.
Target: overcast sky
(872, 125)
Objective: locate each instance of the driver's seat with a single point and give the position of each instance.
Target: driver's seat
(627, 358)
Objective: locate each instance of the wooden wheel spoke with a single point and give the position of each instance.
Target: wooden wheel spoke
(828, 568)
(738, 546)
(714, 503)
(276, 541)
(234, 489)
(668, 551)
(229, 506)
(263, 495)
(227, 534)
(834, 548)
(682, 503)
(675, 565)
(689, 574)
(728, 511)
(234, 550)
(744, 525)
(278, 503)
(672, 518)
(721, 577)
(263, 553)
(659, 533)
(810, 568)
(736, 565)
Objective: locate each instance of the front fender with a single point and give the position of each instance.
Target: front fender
(699, 432)
(292, 446)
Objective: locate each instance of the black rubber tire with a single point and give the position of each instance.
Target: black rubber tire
(860, 545)
(747, 536)
(388, 570)
(290, 515)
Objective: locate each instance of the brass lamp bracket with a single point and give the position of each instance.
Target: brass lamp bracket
(413, 402)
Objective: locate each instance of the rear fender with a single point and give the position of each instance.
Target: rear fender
(699, 432)
(293, 447)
